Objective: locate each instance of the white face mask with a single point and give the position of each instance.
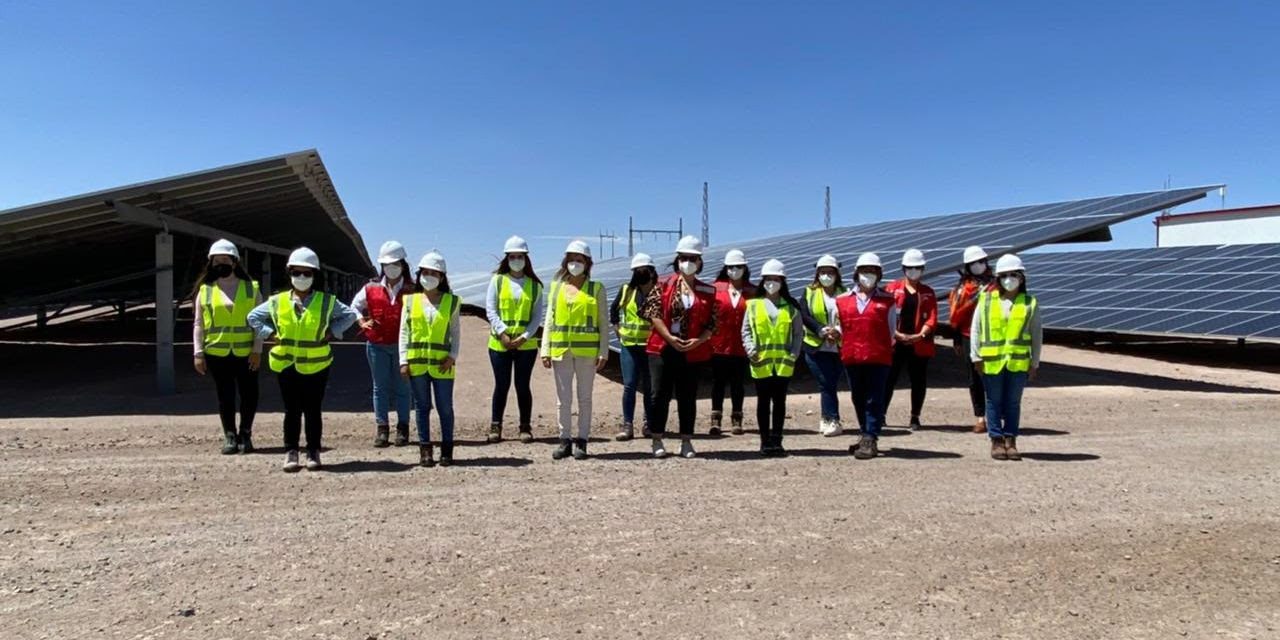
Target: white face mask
(302, 283)
(576, 268)
(868, 280)
(914, 273)
(827, 280)
(516, 264)
(393, 271)
(736, 273)
(772, 287)
(430, 283)
(978, 268)
(688, 267)
(1010, 282)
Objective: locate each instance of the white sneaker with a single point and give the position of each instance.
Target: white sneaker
(658, 450)
(835, 429)
(824, 426)
(313, 461)
(291, 461)
(686, 449)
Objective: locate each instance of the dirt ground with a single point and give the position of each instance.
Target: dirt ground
(1148, 507)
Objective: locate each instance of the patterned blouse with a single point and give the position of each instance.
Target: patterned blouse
(652, 309)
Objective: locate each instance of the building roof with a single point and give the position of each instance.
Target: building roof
(1229, 214)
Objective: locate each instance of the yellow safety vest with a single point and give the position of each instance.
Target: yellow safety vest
(300, 339)
(1005, 343)
(813, 296)
(772, 339)
(514, 313)
(429, 342)
(575, 325)
(633, 330)
(227, 331)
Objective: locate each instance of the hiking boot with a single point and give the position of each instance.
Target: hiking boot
(716, 418)
(526, 434)
(686, 448)
(313, 460)
(446, 455)
(246, 441)
(915, 423)
(495, 432)
(735, 423)
(625, 433)
(426, 456)
(865, 449)
(229, 445)
(563, 450)
(291, 461)
(1011, 448)
(980, 426)
(580, 449)
(997, 449)
(402, 435)
(383, 439)
(659, 451)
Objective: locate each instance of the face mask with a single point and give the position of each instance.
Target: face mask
(688, 267)
(978, 268)
(576, 268)
(826, 280)
(772, 287)
(868, 280)
(1010, 283)
(430, 283)
(222, 270)
(393, 271)
(736, 273)
(302, 283)
(914, 274)
(516, 264)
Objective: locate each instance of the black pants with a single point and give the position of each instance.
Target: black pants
(977, 394)
(303, 395)
(904, 357)
(771, 409)
(503, 363)
(231, 373)
(672, 373)
(728, 371)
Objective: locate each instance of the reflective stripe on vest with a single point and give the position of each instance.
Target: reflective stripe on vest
(429, 342)
(514, 313)
(1005, 343)
(575, 325)
(300, 341)
(227, 331)
(633, 330)
(773, 340)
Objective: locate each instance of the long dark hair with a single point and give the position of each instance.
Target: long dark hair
(444, 283)
(408, 278)
(639, 278)
(784, 292)
(723, 276)
(504, 268)
(986, 276)
(563, 271)
(207, 277)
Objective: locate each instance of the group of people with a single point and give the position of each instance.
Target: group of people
(670, 326)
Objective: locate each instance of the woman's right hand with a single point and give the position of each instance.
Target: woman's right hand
(546, 362)
(404, 371)
(201, 368)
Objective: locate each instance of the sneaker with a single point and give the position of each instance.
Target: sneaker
(659, 451)
(833, 429)
(997, 449)
(402, 435)
(579, 449)
(495, 432)
(686, 448)
(383, 439)
(562, 451)
(526, 435)
(735, 422)
(625, 433)
(426, 457)
(313, 461)
(229, 445)
(246, 442)
(915, 423)
(1011, 448)
(865, 449)
(291, 461)
(716, 418)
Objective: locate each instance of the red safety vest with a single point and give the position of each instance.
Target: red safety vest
(727, 340)
(926, 312)
(963, 301)
(696, 319)
(381, 309)
(865, 336)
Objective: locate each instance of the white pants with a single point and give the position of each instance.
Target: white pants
(566, 369)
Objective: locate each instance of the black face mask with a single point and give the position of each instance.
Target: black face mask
(221, 270)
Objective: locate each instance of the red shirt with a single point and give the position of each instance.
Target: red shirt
(926, 313)
(727, 340)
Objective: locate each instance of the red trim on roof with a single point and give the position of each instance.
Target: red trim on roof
(1215, 213)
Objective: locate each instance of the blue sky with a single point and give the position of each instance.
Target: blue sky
(454, 126)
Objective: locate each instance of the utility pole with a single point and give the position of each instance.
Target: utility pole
(826, 219)
(608, 235)
(632, 232)
(706, 216)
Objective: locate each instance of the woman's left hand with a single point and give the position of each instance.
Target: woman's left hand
(255, 361)
(601, 362)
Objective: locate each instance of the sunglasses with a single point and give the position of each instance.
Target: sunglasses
(300, 274)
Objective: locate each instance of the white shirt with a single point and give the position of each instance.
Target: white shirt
(602, 315)
(360, 303)
(496, 325)
(1006, 305)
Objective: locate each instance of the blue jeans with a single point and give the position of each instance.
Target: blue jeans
(827, 369)
(388, 384)
(423, 386)
(868, 382)
(1004, 402)
(635, 376)
(503, 362)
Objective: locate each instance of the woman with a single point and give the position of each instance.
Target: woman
(1005, 351)
(917, 307)
(683, 313)
(975, 278)
(772, 336)
(224, 344)
(822, 339)
(633, 335)
(379, 305)
(428, 349)
(575, 344)
(514, 307)
(867, 320)
(302, 318)
(728, 359)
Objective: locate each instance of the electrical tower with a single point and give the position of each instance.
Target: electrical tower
(826, 219)
(706, 216)
(608, 235)
(677, 233)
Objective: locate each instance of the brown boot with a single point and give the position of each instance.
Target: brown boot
(736, 423)
(980, 426)
(495, 432)
(997, 449)
(716, 418)
(1011, 448)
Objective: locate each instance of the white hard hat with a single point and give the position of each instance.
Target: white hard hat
(827, 261)
(304, 257)
(641, 260)
(735, 258)
(390, 252)
(224, 248)
(433, 260)
(1009, 263)
(515, 244)
(868, 259)
(973, 254)
(690, 245)
(578, 246)
(774, 267)
(913, 258)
